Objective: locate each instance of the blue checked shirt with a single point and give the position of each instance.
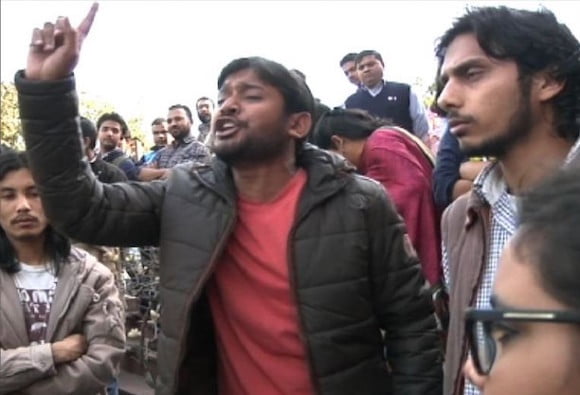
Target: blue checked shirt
(181, 151)
(491, 188)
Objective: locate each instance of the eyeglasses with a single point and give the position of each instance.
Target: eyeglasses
(487, 330)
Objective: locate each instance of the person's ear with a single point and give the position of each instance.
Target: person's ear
(299, 125)
(547, 87)
(337, 143)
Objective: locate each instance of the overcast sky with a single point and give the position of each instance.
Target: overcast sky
(143, 56)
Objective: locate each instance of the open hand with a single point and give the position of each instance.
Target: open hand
(54, 49)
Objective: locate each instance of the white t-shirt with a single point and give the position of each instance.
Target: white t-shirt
(36, 286)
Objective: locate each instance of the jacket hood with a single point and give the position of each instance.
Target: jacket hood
(326, 171)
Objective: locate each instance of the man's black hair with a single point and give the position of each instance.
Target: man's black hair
(536, 42)
(114, 117)
(548, 234)
(204, 98)
(349, 57)
(158, 121)
(89, 131)
(294, 90)
(354, 124)
(368, 52)
(57, 247)
(296, 94)
(184, 108)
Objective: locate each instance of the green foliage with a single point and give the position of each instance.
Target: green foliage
(92, 107)
(426, 91)
(10, 129)
(135, 125)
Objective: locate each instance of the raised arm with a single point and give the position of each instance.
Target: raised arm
(76, 203)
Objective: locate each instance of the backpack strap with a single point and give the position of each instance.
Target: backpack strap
(119, 159)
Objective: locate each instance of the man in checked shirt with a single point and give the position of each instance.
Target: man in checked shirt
(510, 83)
(185, 147)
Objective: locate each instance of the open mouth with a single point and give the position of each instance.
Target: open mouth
(226, 127)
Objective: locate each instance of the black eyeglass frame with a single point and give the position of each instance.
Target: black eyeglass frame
(489, 316)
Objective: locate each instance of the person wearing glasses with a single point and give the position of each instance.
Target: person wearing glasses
(510, 87)
(528, 343)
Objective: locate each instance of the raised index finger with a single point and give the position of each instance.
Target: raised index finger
(86, 24)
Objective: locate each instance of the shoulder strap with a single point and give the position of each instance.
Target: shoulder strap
(119, 159)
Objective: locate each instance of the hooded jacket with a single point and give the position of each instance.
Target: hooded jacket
(86, 302)
(352, 268)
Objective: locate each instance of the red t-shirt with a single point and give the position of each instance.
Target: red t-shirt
(253, 305)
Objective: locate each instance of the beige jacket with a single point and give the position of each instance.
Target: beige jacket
(86, 302)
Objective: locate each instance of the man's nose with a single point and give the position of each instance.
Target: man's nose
(22, 205)
(229, 106)
(450, 96)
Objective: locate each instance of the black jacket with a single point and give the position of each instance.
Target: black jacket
(353, 269)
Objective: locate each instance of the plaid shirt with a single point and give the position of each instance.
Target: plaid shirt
(490, 186)
(181, 151)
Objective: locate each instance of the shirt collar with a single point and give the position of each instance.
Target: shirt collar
(375, 90)
(186, 140)
(574, 153)
(490, 185)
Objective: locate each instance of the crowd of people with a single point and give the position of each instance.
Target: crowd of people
(303, 249)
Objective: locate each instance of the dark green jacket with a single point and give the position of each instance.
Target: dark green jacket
(352, 268)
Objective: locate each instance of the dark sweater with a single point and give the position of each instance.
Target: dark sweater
(392, 103)
(446, 173)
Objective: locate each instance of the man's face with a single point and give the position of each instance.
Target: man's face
(351, 72)
(532, 358)
(488, 108)
(370, 71)
(250, 124)
(178, 123)
(204, 110)
(159, 134)
(21, 213)
(110, 135)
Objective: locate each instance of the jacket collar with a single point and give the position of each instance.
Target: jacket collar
(325, 171)
(69, 281)
(11, 313)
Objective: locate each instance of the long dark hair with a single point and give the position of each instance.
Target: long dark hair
(56, 246)
(354, 124)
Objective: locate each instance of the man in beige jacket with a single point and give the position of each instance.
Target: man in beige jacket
(61, 319)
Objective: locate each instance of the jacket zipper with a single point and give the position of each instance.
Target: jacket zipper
(193, 296)
(294, 293)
